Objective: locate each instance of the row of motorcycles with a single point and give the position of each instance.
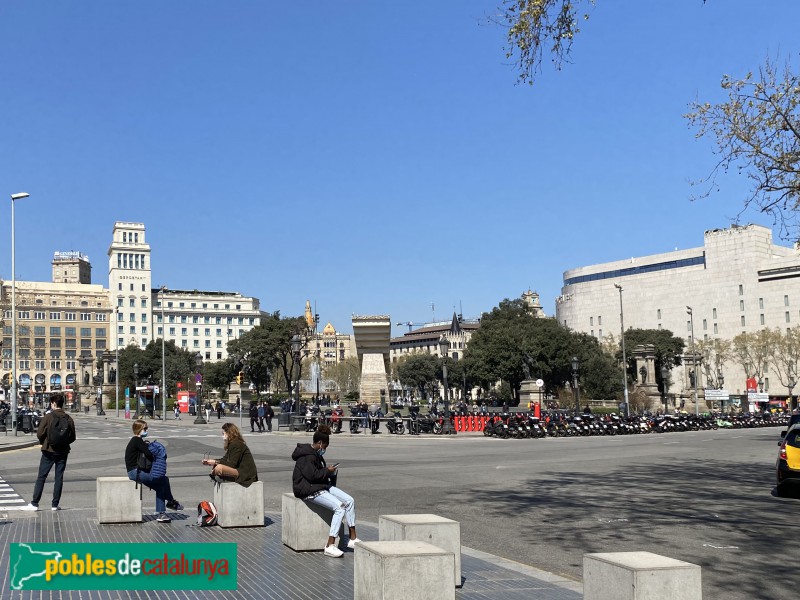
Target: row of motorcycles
(434, 422)
(525, 425)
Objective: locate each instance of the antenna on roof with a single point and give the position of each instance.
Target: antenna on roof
(433, 310)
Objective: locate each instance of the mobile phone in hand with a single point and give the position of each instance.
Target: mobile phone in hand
(336, 465)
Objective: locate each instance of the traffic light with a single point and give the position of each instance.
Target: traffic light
(240, 378)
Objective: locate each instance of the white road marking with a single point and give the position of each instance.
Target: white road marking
(721, 547)
(11, 501)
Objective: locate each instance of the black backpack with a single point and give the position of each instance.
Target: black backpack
(59, 434)
(143, 464)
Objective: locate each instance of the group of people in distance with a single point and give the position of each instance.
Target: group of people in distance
(312, 479)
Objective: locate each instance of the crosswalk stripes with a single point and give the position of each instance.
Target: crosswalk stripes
(9, 498)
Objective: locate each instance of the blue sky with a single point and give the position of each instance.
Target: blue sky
(373, 157)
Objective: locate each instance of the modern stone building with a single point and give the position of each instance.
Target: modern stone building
(738, 281)
(129, 284)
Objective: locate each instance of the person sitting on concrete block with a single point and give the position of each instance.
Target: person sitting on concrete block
(237, 464)
(313, 480)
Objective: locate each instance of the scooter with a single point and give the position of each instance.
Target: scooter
(355, 418)
(395, 424)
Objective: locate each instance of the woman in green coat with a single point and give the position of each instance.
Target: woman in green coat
(237, 464)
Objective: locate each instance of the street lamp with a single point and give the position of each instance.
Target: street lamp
(624, 361)
(790, 384)
(163, 361)
(297, 344)
(694, 361)
(14, 198)
(576, 364)
(135, 392)
(444, 347)
(665, 384)
(198, 363)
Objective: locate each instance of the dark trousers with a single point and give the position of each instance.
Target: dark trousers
(45, 464)
(269, 423)
(253, 423)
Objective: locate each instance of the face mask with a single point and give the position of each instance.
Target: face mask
(144, 433)
(321, 451)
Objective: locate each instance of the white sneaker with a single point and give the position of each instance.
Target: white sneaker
(352, 543)
(29, 507)
(333, 551)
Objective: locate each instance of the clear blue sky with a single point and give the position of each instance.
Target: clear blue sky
(374, 157)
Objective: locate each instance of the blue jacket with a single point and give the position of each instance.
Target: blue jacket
(159, 453)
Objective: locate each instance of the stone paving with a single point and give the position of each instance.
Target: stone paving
(267, 569)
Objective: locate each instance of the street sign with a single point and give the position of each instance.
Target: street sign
(757, 397)
(717, 395)
(155, 389)
(540, 383)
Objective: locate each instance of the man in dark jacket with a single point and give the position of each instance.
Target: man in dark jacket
(253, 416)
(56, 433)
(313, 480)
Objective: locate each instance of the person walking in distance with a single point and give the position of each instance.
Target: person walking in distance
(261, 415)
(253, 417)
(268, 415)
(56, 432)
(177, 412)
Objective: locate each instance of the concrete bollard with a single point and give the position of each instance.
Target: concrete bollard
(305, 525)
(118, 500)
(639, 576)
(433, 529)
(239, 506)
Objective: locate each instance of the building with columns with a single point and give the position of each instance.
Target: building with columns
(129, 285)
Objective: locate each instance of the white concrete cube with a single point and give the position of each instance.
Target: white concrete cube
(402, 570)
(239, 506)
(305, 525)
(118, 500)
(639, 576)
(433, 529)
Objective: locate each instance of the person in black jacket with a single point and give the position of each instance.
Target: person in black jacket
(160, 485)
(315, 481)
(53, 453)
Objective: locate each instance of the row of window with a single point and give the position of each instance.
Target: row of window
(131, 302)
(57, 316)
(132, 319)
(126, 260)
(207, 320)
(131, 237)
(638, 270)
(25, 331)
(40, 365)
(194, 305)
(119, 287)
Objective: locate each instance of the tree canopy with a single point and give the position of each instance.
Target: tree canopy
(756, 132)
(180, 365)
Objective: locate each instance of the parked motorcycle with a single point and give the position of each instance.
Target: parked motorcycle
(394, 424)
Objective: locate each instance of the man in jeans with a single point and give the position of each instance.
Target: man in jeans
(56, 432)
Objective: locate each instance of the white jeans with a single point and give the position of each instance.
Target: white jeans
(342, 506)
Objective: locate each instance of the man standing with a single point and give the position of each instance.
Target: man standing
(268, 415)
(253, 417)
(56, 432)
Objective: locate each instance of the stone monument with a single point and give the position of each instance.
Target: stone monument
(646, 386)
(372, 335)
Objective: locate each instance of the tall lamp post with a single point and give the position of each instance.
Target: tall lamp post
(163, 361)
(665, 384)
(624, 360)
(135, 392)
(694, 360)
(444, 347)
(576, 364)
(198, 387)
(14, 382)
(297, 344)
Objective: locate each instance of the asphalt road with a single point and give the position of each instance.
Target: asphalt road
(703, 497)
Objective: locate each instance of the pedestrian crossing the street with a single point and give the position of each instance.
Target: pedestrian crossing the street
(10, 499)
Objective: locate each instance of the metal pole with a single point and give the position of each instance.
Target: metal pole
(575, 392)
(624, 359)
(13, 325)
(116, 364)
(694, 360)
(446, 392)
(163, 361)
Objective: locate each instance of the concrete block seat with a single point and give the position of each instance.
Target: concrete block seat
(639, 576)
(433, 529)
(118, 500)
(305, 525)
(239, 506)
(402, 570)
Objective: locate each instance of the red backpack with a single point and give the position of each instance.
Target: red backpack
(206, 514)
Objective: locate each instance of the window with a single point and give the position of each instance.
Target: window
(171, 318)
(219, 320)
(70, 316)
(183, 318)
(169, 304)
(70, 343)
(121, 329)
(715, 329)
(761, 318)
(133, 329)
(55, 332)
(206, 320)
(131, 287)
(184, 344)
(741, 304)
(786, 300)
(180, 305)
(100, 344)
(132, 302)
(120, 317)
(54, 316)
(230, 320)
(144, 303)
(227, 306)
(119, 285)
(714, 313)
(241, 321)
(119, 302)
(39, 365)
(41, 330)
(688, 325)
(195, 331)
(216, 306)
(741, 290)
(183, 330)
(658, 314)
(219, 343)
(55, 365)
(742, 320)
(194, 319)
(591, 332)
(205, 305)
(207, 332)
(760, 304)
(160, 331)
(705, 325)
(132, 317)
(41, 316)
(99, 317)
(208, 343)
(86, 332)
(143, 268)
(238, 307)
(172, 331)
(219, 332)
(120, 342)
(788, 318)
(193, 305)
(196, 344)
(600, 322)
(37, 343)
(219, 355)
(86, 316)
(100, 332)
(144, 317)
(600, 332)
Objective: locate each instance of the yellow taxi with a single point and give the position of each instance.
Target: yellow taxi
(788, 464)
